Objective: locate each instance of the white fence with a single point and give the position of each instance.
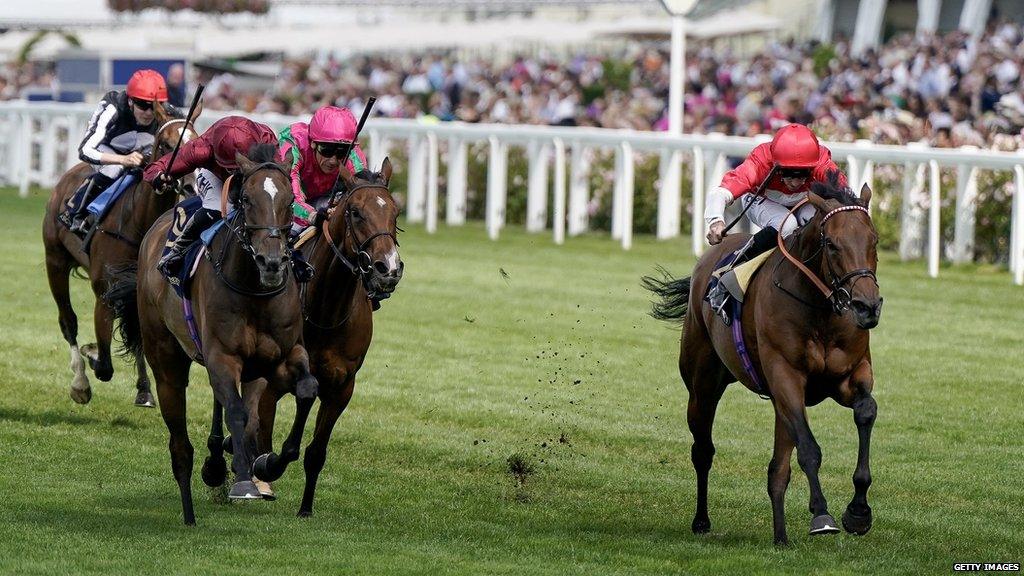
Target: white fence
(38, 142)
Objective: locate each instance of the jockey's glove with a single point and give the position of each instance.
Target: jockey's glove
(319, 217)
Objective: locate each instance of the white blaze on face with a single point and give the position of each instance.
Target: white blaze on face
(270, 187)
(392, 259)
(381, 202)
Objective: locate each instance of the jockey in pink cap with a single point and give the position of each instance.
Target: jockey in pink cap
(313, 150)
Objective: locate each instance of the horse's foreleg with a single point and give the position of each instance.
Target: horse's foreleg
(58, 270)
(171, 373)
(270, 466)
(225, 376)
(857, 518)
(788, 395)
(778, 480)
(333, 400)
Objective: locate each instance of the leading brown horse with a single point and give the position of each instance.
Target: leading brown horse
(805, 321)
(115, 243)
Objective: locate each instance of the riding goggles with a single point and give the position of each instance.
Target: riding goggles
(801, 173)
(332, 149)
(142, 104)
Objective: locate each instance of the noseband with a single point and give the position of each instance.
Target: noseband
(836, 291)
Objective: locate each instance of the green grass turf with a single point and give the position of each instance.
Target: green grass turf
(558, 363)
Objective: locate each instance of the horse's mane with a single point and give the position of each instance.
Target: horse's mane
(371, 177)
(261, 153)
(832, 189)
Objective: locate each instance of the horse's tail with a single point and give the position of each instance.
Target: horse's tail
(674, 295)
(120, 297)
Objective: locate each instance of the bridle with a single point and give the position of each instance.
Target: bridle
(836, 291)
(363, 264)
(243, 232)
(158, 141)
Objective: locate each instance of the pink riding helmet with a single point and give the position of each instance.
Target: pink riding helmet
(332, 124)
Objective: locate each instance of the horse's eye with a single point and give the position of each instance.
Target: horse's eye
(830, 244)
(356, 214)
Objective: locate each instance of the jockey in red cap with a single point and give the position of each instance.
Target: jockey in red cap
(314, 151)
(212, 156)
(790, 163)
(120, 134)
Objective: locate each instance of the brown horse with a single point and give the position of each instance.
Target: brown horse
(807, 336)
(357, 261)
(248, 319)
(115, 243)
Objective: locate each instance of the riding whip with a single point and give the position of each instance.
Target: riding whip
(359, 128)
(757, 194)
(191, 109)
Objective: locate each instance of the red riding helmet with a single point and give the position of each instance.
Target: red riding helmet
(147, 85)
(795, 146)
(332, 124)
(239, 137)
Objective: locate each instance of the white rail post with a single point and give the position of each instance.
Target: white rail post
(537, 153)
(697, 218)
(75, 134)
(853, 172)
(455, 209)
(933, 219)
(558, 223)
(669, 194)
(416, 204)
(380, 146)
(432, 175)
(617, 195)
(912, 211)
(25, 154)
(1017, 229)
(962, 249)
(497, 182)
(627, 195)
(578, 192)
(48, 152)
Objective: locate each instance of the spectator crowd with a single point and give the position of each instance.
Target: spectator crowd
(947, 90)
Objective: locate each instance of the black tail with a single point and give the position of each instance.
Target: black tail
(120, 297)
(674, 294)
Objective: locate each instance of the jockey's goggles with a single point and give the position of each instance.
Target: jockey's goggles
(142, 104)
(332, 149)
(801, 173)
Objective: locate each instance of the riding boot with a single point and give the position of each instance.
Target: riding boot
(302, 269)
(86, 193)
(719, 294)
(195, 226)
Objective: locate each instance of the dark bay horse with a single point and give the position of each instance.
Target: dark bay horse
(356, 259)
(116, 243)
(248, 317)
(807, 336)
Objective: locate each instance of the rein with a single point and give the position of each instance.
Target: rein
(835, 291)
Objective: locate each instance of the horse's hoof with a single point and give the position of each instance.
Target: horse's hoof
(81, 395)
(227, 445)
(214, 472)
(701, 525)
(304, 513)
(104, 374)
(782, 542)
(264, 467)
(856, 523)
(245, 490)
(266, 490)
(144, 399)
(824, 524)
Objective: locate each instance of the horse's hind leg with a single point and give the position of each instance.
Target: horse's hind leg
(99, 359)
(857, 517)
(702, 371)
(215, 469)
(788, 388)
(333, 400)
(270, 466)
(144, 395)
(58, 271)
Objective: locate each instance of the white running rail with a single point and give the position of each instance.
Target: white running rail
(38, 142)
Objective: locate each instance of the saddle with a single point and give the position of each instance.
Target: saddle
(181, 275)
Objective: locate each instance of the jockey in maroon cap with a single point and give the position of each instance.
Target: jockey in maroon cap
(212, 156)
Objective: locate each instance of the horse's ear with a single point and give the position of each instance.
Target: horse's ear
(385, 170)
(817, 201)
(865, 195)
(198, 111)
(244, 163)
(345, 175)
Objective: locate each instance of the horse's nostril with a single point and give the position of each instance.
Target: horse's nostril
(261, 260)
(380, 267)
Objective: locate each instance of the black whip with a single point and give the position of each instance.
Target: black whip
(757, 194)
